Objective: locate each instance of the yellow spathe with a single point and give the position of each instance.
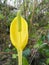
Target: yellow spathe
(19, 35)
(19, 38)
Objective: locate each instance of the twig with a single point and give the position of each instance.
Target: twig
(6, 53)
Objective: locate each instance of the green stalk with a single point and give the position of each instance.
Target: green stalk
(20, 57)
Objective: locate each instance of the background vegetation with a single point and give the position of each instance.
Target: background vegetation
(37, 15)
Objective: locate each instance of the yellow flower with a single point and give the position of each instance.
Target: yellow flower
(19, 38)
(19, 35)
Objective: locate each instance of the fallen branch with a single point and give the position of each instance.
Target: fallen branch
(7, 53)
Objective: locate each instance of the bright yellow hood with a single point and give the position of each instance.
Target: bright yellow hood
(19, 39)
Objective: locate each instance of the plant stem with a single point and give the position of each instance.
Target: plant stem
(20, 57)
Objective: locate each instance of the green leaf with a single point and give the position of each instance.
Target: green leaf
(1, 16)
(14, 55)
(47, 61)
(24, 61)
(48, 36)
(47, 52)
(26, 52)
(38, 44)
(7, 50)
